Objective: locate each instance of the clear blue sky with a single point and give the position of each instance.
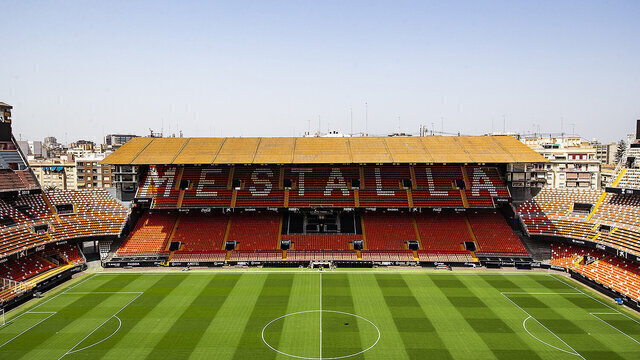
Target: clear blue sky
(267, 68)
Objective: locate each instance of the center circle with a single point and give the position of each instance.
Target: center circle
(353, 317)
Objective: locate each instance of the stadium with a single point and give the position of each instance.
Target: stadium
(319, 248)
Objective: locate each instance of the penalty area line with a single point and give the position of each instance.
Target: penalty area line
(595, 315)
(72, 350)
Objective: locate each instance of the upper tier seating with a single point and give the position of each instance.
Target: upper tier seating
(388, 231)
(208, 187)
(388, 186)
(255, 230)
(322, 241)
(201, 233)
(324, 186)
(443, 233)
(261, 187)
(494, 235)
(95, 213)
(160, 183)
(630, 179)
(435, 186)
(383, 187)
(150, 235)
(12, 180)
(551, 213)
(484, 183)
(29, 208)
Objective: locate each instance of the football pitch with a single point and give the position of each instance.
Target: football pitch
(321, 315)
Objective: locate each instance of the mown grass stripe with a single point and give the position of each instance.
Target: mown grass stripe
(226, 329)
(456, 334)
(416, 330)
(271, 303)
(368, 300)
(136, 317)
(496, 324)
(185, 333)
(29, 344)
(341, 334)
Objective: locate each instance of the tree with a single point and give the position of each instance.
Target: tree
(622, 148)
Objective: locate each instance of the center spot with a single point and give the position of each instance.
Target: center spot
(308, 335)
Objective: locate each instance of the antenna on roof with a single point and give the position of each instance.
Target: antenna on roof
(351, 114)
(366, 118)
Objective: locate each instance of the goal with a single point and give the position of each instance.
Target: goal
(1, 317)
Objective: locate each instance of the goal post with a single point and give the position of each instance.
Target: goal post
(1, 317)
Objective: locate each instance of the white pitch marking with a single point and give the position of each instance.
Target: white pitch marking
(621, 313)
(311, 358)
(46, 301)
(70, 351)
(535, 337)
(31, 327)
(541, 324)
(105, 339)
(606, 322)
(320, 315)
(539, 293)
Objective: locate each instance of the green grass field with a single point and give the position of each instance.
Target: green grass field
(313, 315)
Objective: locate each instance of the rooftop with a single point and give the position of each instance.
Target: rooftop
(322, 150)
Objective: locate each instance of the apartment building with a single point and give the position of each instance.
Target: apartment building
(573, 162)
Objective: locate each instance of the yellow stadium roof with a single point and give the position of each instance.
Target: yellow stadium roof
(355, 150)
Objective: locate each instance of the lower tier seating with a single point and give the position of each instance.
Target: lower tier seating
(219, 256)
(150, 235)
(255, 230)
(443, 233)
(327, 255)
(388, 231)
(612, 271)
(398, 255)
(383, 232)
(322, 241)
(494, 235)
(201, 233)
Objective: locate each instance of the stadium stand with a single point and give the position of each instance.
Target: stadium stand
(150, 235)
(255, 230)
(261, 187)
(35, 220)
(322, 241)
(200, 233)
(609, 270)
(321, 186)
(552, 212)
(484, 184)
(435, 187)
(493, 235)
(207, 187)
(442, 233)
(388, 231)
(383, 187)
